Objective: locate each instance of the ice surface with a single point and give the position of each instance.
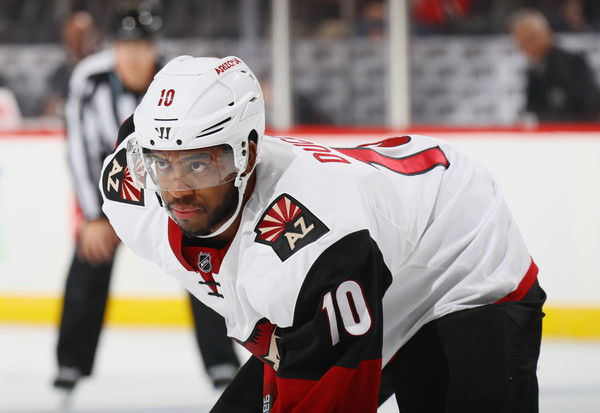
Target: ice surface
(160, 370)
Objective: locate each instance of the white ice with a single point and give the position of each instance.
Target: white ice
(160, 371)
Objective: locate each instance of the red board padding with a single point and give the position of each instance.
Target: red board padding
(542, 129)
(33, 133)
(433, 129)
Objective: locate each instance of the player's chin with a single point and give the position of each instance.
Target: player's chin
(193, 229)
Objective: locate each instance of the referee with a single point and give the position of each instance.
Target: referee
(104, 90)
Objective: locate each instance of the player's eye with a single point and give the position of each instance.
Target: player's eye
(161, 164)
(198, 166)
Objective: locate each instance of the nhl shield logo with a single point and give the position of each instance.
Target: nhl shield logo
(204, 262)
(288, 226)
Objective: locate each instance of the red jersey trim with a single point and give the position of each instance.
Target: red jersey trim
(175, 241)
(340, 390)
(175, 238)
(524, 286)
(517, 295)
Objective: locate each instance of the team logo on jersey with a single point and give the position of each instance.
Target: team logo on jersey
(204, 262)
(288, 226)
(117, 182)
(264, 343)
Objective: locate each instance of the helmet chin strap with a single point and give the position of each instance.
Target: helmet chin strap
(227, 224)
(241, 182)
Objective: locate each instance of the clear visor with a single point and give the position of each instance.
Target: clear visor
(180, 170)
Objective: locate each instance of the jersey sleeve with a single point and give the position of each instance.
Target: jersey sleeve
(126, 129)
(330, 358)
(243, 394)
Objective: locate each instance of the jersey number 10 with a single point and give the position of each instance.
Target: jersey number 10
(351, 305)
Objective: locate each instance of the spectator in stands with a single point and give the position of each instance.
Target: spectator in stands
(372, 20)
(10, 112)
(305, 111)
(571, 17)
(80, 38)
(439, 16)
(561, 87)
(577, 16)
(104, 90)
(591, 11)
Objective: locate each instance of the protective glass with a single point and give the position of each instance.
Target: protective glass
(180, 170)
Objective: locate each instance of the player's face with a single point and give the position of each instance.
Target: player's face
(197, 187)
(201, 211)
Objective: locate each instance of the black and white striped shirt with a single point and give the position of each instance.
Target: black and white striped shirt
(97, 105)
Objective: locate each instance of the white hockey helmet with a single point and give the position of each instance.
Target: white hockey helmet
(196, 103)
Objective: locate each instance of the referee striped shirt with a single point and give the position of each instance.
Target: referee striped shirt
(97, 105)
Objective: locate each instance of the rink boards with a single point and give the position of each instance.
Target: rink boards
(551, 180)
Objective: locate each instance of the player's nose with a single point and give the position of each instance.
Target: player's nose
(181, 193)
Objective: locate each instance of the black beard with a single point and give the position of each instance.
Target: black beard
(222, 212)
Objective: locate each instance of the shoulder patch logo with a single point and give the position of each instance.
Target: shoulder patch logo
(287, 226)
(117, 183)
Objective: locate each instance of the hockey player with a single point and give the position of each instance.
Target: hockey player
(350, 274)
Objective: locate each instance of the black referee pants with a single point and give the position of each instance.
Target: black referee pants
(472, 361)
(84, 304)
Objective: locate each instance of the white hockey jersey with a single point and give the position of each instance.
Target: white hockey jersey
(342, 255)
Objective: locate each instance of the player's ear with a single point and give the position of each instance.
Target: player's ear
(251, 157)
(252, 150)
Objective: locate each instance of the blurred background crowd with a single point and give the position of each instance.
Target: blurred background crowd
(465, 67)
